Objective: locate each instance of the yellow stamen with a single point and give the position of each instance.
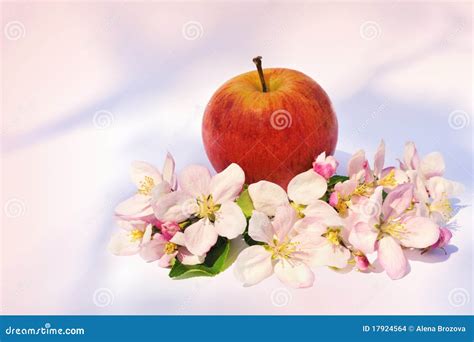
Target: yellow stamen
(170, 248)
(342, 205)
(443, 207)
(207, 207)
(281, 250)
(395, 229)
(299, 208)
(363, 189)
(136, 235)
(333, 235)
(146, 186)
(389, 180)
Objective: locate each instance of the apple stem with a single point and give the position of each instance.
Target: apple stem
(258, 62)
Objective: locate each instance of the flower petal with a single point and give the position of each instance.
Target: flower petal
(140, 170)
(178, 239)
(267, 196)
(328, 254)
(440, 187)
(121, 244)
(253, 265)
(284, 220)
(295, 274)
(227, 184)
(176, 206)
(188, 258)
(392, 258)
(307, 187)
(379, 159)
(397, 201)
(230, 220)
(363, 237)
(421, 232)
(135, 207)
(356, 163)
(310, 224)
(168, 171)
(154, 249)
(165, 260)
(260, 227)
(432, 165)
(195, 180)
(411, 159)
(200, 237)
(324, 213)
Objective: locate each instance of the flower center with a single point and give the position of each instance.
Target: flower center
(443, 207)
(299, 208)
(136, 234)
(207, 207)
(395, 229)
(281, 250)
(170, 248)
(146, 186)
(333, 235)
(363, 190)
(388, 180)
(342, 205)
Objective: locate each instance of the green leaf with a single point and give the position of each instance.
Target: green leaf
(249, 241)
(215, 262)
(336, 179)
(245, 203)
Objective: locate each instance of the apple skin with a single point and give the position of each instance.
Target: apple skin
(272, 135)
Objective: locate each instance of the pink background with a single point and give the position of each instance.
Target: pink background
(88, 87)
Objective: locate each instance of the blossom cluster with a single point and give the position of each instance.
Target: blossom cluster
(366, 220)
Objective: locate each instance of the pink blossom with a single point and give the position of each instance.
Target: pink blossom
(386, 228)
(325, 166)
(209, 201)
(361, 262)
(150, 184)
(285, 252)
(445, 236)
(169, 229)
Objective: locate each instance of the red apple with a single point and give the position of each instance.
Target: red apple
(272, 122)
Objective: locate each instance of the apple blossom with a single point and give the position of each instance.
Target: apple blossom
(150, 183)
(132, 236)
(304, 189)
(165, 248)
(285, 251)
(329, 248)
(361, 262)
(363, 180)
(445, 236)
(359, 168)
(208, 203)
(325, 166)
(387, 227)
